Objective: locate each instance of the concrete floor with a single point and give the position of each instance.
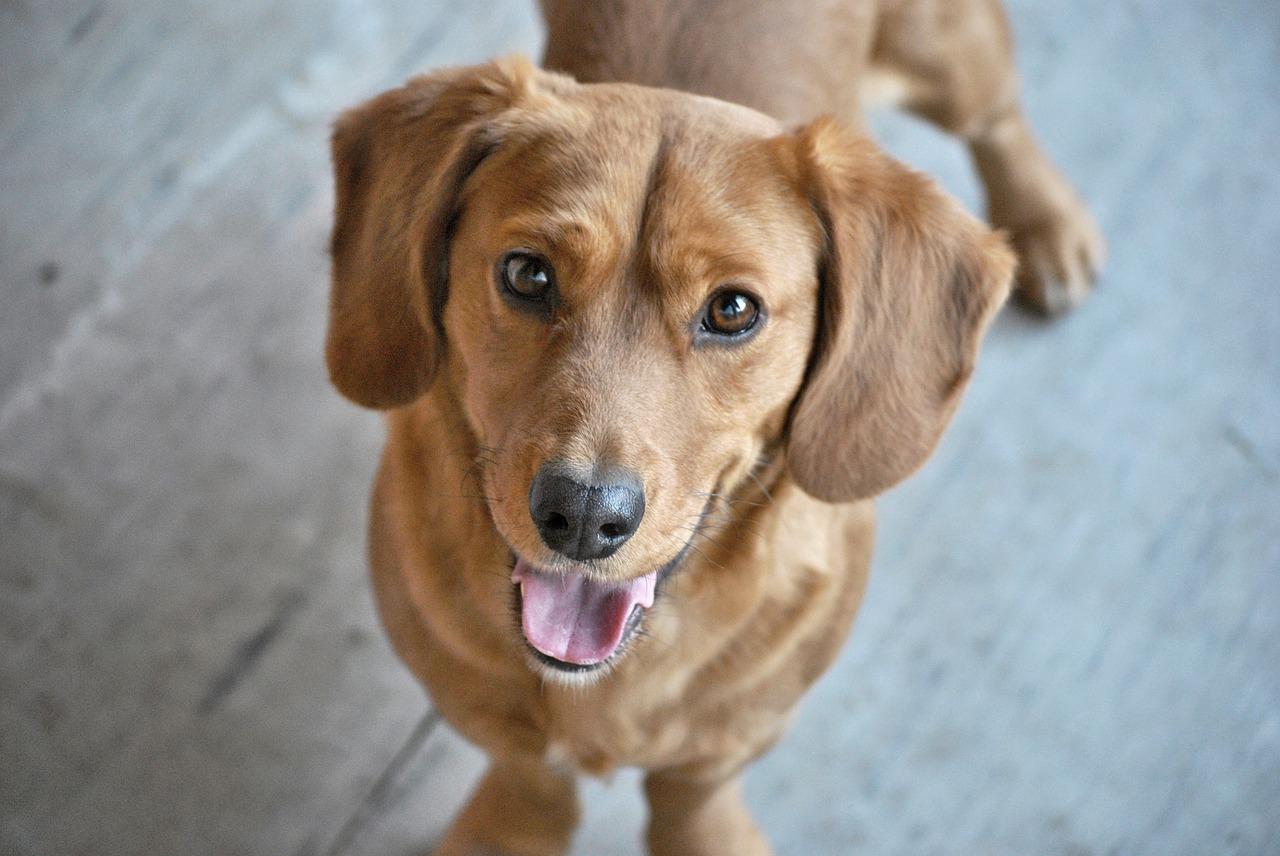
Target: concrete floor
(1071, 644)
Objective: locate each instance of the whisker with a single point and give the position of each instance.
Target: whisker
(760, 484)
(695, 548)
(730, 500)
(724, 525)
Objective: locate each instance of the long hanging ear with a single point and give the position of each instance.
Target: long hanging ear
(399, 163)
(909, 282)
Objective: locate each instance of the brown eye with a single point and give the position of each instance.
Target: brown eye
(527, 276)
(731, 313)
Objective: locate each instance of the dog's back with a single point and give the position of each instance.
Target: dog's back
(791, 60)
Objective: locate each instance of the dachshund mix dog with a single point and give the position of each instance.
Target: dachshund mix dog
(652, 326)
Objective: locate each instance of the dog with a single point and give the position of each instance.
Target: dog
(652, 325)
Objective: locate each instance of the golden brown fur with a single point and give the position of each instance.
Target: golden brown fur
(759, 460)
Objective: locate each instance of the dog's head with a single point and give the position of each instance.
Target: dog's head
(634, 293)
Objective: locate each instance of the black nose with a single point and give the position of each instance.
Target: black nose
(585, 517)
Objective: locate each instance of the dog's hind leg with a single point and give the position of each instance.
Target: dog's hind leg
(522, 807)
(955, 58)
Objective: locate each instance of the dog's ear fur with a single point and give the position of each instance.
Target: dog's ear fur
(399, 163)
(908, 284)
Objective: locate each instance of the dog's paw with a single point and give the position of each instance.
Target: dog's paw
(1060, 254)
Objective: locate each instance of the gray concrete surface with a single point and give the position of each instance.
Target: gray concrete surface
(1071, 644)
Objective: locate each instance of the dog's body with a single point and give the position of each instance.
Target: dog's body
(700, 325)
(707, 691)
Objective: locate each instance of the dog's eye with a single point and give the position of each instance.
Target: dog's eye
(731, 313)
(527, 276)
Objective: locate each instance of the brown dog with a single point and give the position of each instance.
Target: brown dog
(634, 343)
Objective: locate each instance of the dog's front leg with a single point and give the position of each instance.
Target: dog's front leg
(522, 807)
(695, 813)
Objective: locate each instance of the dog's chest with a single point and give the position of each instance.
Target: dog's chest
(599, 748)
(599, 734)
(648, 726)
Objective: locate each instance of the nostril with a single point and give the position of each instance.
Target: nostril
(612, 530)
(556, 522)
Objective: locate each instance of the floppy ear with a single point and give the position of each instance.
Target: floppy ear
(908, 284)
(399, 163)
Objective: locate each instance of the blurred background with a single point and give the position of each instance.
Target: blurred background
(1071, 642)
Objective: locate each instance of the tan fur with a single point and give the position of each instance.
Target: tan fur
(949, 61)
(878, 289)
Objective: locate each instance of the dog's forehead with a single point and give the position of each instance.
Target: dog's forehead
(621, 135)
(621, 169)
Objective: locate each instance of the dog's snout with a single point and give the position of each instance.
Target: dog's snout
(585, 517)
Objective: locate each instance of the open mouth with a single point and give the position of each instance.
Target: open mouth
(574, 622)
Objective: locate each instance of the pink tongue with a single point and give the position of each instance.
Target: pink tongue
(574, 618)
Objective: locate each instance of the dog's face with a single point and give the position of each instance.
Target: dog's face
(631, 298)
(634, 294)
